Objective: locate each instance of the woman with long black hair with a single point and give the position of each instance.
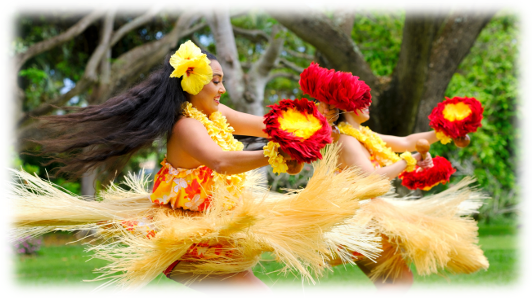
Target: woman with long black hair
(202, 223)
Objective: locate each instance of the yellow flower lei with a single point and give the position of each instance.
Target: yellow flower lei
(275, 159)
(410, 161)
(376, 146)
(442, 137)
(221, 133)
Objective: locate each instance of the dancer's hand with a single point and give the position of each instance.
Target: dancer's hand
(286, 156)
(425, 163)
(294, 167)
(329, 111)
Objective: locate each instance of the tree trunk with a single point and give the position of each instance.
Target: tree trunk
(336, 45)
(227, 54)
(246, 90)
(458, 35)
(258, 76)
(88, 184)
(399, 103)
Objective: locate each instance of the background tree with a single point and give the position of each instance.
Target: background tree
(432, 47)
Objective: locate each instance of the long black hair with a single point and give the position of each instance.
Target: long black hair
(105, 136)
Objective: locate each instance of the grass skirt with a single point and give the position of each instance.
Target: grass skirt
(435, 233)
(292, 226)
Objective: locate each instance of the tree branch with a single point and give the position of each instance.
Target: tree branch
(14, 94)
(124, 70)
(89, 76)
(128, 66)
(227, 54)
(344, 19)
(452, 45)
(253, 35)
(201, 26)
(137, 22)
(299, 55)
(408, 81)
(289, 75)
(317, 29)
(291, 65)
(266, 61)
(193, 29)
(90, 69)
(257, 76)
(45, 45)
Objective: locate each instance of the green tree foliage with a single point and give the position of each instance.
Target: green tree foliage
(379, 36)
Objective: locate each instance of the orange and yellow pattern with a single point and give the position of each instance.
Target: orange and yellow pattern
(188, 189)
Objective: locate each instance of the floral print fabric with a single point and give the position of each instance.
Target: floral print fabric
(188, 189)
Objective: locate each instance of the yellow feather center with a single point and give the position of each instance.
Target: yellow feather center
(300, 124)
(454, 112)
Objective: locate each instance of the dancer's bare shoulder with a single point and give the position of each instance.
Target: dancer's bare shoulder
(353, 153)
(189, 143)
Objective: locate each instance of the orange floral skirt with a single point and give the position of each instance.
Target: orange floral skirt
(187, 189)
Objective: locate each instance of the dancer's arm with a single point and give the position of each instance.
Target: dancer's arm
(353, 154)
(408, 143)
(191, 137)
(244, 124)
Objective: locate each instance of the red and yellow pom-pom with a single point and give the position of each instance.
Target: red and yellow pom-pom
(338, 88)
(299, 128)
(428, 178)
(454, 118)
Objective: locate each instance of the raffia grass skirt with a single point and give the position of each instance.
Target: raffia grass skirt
(292, 226)
(435, 233)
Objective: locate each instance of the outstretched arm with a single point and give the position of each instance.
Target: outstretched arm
(244, 124)
(191, 137)
(353, 154)
(408, 143)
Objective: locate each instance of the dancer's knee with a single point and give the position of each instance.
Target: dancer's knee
(406, 281)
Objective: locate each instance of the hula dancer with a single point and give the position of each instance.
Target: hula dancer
(431, 232)
(208, 220)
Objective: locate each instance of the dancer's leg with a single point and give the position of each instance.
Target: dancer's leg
(402, 282)
(245, 280)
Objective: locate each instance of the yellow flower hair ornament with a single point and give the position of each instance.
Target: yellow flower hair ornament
(191, 64)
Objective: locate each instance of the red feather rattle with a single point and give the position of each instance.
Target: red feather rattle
(456, 117)
(298, 129)
(427, 178)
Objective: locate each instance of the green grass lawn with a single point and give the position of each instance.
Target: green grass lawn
(68, 265)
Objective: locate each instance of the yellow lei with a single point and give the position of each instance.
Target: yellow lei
(443, 138)
(376, 146)
(276, 160)
(221, 133)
